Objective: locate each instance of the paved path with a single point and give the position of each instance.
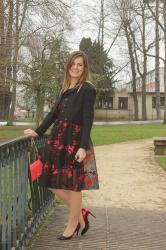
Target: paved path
(130, 206)
(107, 122)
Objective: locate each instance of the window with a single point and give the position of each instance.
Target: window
(123, 102)
(105, 103)
(162, 100)
(110, 102)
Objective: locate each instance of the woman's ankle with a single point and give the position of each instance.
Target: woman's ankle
(81, 220)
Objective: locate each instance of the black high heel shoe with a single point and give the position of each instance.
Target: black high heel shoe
(62, 237)
(85, 214)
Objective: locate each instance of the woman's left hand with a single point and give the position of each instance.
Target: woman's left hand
(80, 155)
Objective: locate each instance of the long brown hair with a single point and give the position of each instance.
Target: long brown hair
(85, 74)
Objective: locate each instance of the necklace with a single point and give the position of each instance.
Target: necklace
(74, 86)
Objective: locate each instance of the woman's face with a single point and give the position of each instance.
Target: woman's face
(77, 68)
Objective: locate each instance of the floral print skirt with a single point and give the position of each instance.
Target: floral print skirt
(61, 169)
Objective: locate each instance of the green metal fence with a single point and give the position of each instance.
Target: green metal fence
(23, 203)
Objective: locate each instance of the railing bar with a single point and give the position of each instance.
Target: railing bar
(41, 199)
(4, 208)
(42, 189)
(1, 200)
(21, 195)
(24, 195)
(26, 164)
(18, 201)
(35, 197)
(15, 201)
(10, 198)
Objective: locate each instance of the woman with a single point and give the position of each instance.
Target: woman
(70, 165)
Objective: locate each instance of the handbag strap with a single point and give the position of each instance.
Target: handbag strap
(34, 144)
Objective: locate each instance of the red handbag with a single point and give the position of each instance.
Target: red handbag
(36, 167)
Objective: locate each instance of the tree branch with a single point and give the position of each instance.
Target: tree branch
(161, 58)
(154, 15)
(114, 40)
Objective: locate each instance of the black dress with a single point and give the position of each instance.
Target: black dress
(62, 170)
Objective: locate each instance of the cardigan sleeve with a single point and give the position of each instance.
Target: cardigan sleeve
(88, 116)
(48, 120)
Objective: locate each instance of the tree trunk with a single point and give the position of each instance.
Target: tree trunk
(130, 49)
(164, 14)
(13, 101)
(15, 58)
(157, 64)
(144, 112)
(4, 89)
(12, 108)
(39, 106)
(102, 23)
(9, 40)
(2, 45)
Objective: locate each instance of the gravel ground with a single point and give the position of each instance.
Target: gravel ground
(128, 177)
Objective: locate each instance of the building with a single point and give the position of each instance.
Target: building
(121, 105)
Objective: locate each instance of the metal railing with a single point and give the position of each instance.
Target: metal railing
(23, 203)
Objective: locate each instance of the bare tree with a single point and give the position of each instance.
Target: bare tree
(141, 24)
(162, 26)
(123, 11)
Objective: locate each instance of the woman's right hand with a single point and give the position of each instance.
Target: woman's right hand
(30, 132)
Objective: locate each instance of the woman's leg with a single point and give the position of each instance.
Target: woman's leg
(75, 207)
(65, 196)
(62, 194)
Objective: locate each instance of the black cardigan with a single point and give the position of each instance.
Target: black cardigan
(77, 107)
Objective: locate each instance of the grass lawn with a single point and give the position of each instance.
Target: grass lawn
(28, 119)
(9, 132)
(117, 133)
(102, 135)
(162, 161)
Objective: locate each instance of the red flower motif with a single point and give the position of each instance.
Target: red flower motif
(70, 149)
(80, 179)
(46, 165)
(55, 171)
(89, 182)
(65, 124)
(77, 128)
(49, 142)
(69, 173)
(61, 146)
(87, 158)
(56, 142)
